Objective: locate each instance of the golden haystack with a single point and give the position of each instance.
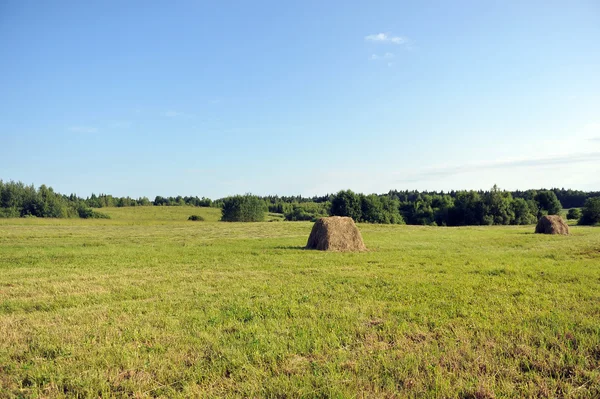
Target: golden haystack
(551, 224)
(335, 233)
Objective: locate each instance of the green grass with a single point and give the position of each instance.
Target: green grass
(148, 304)
(157, 214)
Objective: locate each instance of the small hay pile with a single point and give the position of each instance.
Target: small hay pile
(551, 224)
(335, 233)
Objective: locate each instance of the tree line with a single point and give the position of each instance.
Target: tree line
(455, 208)
(458, 208)
(20, 200)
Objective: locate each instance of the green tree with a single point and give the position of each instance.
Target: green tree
(306, 211)
(468, 210)
(548, 203)
(574, 214)
(346, 203)
(372, 209)
(591, 212)
(522, 212)
(243, 208)
(498, 208)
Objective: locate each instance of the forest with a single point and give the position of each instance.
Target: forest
(454, 208)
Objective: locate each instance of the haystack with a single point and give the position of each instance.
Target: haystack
(551, 224)
(335, 233)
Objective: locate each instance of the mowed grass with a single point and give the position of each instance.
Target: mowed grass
(149, 304)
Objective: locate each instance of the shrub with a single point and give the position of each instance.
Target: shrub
(574, 214)
(591, 212)
(9, 213)
(243, 208)
(88, 213)
(307, 211)
(196, 218)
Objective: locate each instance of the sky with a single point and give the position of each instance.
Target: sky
(213, 98)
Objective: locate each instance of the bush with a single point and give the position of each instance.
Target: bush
(243, 208)
(310, 211)
(574, 214)
(196, 218)
(88, 213)
(9, 213)
(591, 212)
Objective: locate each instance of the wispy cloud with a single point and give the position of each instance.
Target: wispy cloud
(535, 162)
(83, 129)
(386, 56)
(386, 38)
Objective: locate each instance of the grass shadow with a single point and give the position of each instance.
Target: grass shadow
(297, 247)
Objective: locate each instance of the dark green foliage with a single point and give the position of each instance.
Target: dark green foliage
(179, 201)
(19, 200)
(88, 213)
(366, 208)
(243, 208)
(196, 218)
(9, 213)
(498, 209)
(456, 208)
(307, 211)
(468, 209)
(426, 209)
(548, 203)
(375, 209)
(280, 207)
(574, 214)
(573, 198)
(346, 203)
(104, 200)
(590, 214)
(524, 211)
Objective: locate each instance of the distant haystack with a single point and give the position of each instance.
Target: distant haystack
(551, 224)
(335, 233)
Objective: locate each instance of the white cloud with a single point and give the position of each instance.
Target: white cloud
(385, 38)
(380, 37)
(83, 129)
(561, 160)
(386, 56)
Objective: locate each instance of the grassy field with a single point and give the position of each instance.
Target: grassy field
(149, 304)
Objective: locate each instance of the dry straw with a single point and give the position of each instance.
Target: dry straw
(335, 233)
(551, 224)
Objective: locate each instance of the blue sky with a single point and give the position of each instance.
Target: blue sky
(309, 97)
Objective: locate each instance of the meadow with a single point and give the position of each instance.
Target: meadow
(149, 304)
